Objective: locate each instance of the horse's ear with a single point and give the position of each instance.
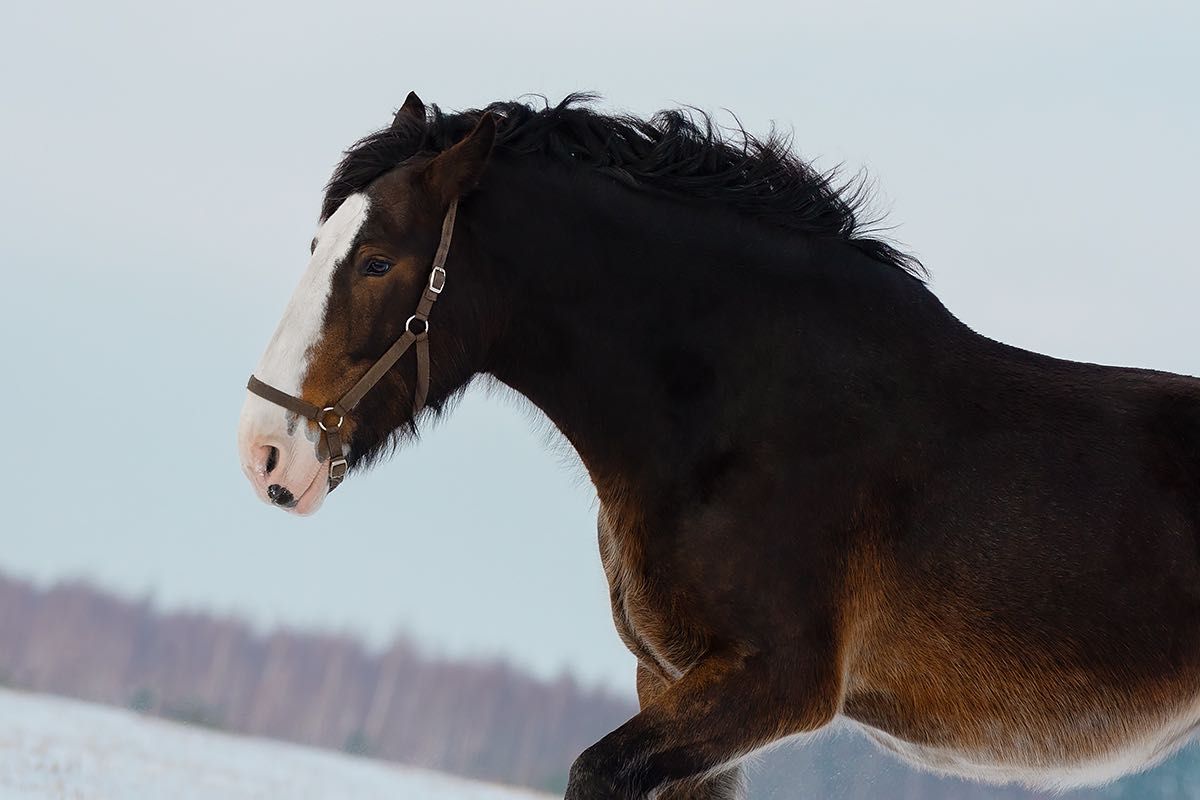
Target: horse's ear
(413, 108)
(455, 172)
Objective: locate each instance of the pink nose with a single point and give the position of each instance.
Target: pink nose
(264, 462)
(264, 459)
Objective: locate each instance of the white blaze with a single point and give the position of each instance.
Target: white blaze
(285, 362)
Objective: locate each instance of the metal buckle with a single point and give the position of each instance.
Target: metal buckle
(321, 419)
(338, 468)
(436, 285)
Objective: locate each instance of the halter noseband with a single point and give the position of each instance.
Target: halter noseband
(330, 418)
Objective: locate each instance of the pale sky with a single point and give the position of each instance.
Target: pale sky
(162, 168)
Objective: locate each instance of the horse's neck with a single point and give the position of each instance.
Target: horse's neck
(641, 330)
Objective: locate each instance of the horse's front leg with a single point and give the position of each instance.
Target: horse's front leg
(724, 708)
(725, 786)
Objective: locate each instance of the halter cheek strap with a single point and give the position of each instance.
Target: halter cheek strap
(416, 334)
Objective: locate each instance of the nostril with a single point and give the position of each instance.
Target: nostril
(280, 496)
(272, 460)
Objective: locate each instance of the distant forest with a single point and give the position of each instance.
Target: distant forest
(479, 718)
(483, 719)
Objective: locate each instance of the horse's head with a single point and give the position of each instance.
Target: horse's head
(370, 267)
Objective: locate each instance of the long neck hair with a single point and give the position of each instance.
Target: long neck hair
(675, 152)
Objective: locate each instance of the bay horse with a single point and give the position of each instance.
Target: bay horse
(822, 496)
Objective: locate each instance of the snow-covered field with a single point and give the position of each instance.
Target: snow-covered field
(56, 748)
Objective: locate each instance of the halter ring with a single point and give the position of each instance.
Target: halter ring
(408, 325)
(321, 419)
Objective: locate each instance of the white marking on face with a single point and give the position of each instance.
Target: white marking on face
(285, 363)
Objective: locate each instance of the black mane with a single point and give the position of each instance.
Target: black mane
(675, 151)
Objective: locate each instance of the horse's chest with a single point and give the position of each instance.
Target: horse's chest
(647, 622)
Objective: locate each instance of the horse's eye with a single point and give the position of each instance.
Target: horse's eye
(377, 266)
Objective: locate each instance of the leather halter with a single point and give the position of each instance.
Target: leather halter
(416, 332)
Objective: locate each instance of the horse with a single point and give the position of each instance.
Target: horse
(823, 498)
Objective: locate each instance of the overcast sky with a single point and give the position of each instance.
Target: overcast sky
(162, 167)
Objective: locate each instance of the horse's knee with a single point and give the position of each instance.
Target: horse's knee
(596, 775)
(605, 771)
(687, 734)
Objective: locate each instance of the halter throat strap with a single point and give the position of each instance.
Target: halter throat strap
(330, 418)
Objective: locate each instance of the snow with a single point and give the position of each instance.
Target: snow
(51, 747)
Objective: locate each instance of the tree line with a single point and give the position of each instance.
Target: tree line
(479, 718)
